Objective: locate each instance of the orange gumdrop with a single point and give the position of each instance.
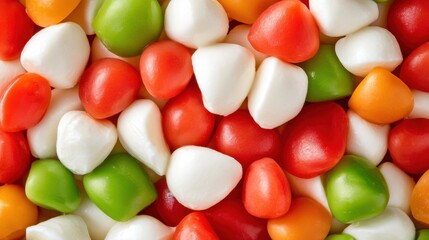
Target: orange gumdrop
(306, 220)
(382, 97)
(419, 202)
(49, 12)
(245, 11)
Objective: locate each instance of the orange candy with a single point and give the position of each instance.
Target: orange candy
(49, 12)
(382, 98)
(305, 220)
(419, 203)
(16, 212)
(245, 11)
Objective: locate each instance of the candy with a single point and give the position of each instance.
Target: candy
(420, 109)
(414, 68)
(341, 236)
(246, 11)
(14, 157)
(419, 196)
(50, 12)
(66, 227)
(99, 51)
(194, 226)
(9, 70)
(84, 14)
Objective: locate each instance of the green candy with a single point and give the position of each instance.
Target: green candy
(422, 234)
(356, 190)
(120, 187)
(327, 78)
(340, 236)
(51, 185)
(127, 26)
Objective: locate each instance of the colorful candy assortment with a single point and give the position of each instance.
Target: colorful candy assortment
(214, 119)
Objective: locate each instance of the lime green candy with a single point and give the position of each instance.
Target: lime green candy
(327, 78)
(127, 26)
(120, 187)
(356, 190)
(51, 185)
(423, 234)
(340, 236)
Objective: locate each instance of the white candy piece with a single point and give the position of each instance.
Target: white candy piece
(366, 139)
(224, 73)
(400, 186)
(139, 227)
(196, 23)
(84, 142)
(340, 17)
(370, 47)
(200, 177)
(84, 13)
(99, 51)
(421, 106)
(9, 70)
(59, 53)
(64, 227)
(393, 223)
(140, 133)
(278, 93)
(42, 138)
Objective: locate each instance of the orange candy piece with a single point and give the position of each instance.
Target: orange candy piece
(245, 11)
(419, 203)
(305, 220)
(49, 12)
(382, 98)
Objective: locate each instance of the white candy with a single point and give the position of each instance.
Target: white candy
(224, 73)
(84, 142)
(84, 13)
(340, 17)
(196, 23)
(393, 223)
(370, 47)
(278, 93)
(9, 70)
(366, 139)
(140, 227)
(140, 133)
(400, 186)
(421, 106)
(64, 227)
(59, 53)
(200, 177)
(42, 138)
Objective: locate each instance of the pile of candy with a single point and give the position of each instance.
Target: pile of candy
(214, 119)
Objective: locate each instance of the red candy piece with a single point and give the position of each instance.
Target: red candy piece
(286, 30)
(315, 140)
(415, 68)
(14, 156)
(195, 226)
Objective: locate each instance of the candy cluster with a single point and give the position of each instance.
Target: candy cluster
(214, 119)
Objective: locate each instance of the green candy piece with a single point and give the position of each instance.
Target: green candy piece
(120, 187)
(51, 185)
(422, 234)
(127, 26)
(340, 236)
(356, 190)
(327, 78)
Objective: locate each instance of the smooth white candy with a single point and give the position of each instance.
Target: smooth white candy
(340, 17)
(400, 186)
(84, 142)
(196, 23)
(200, 177)
(9, 70)
(278, 93)
(393, 223)
(367, 48)
(140, 133)
(139, 227)
(84, 13)
(224, 73)
(64, 227)
(366, 139)
(59, 53)
(42, 138)
(421, 106)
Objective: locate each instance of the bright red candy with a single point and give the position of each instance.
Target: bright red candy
(165, 68)
(266, 190)
(193, 227)
(16, 28)
(409, 145)
(108, 86)
(239, 136)
(415, 68)
(14, 156)
(315, 140)
(286, 30)
(408, 21)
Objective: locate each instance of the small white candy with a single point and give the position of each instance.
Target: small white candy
(9, 70)
(278, 93)
(84, 142)
(196, 23)
(200, 177)
(393, 223)
(370, 47)
(139, 227)
(64, 227)
(140, 133)
(366, 139)
(42, 138)
(224, 73)
(84, 13)
(340, 17)
(421, 106)
(400, 186)
(59, 53)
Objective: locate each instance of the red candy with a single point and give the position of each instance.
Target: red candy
(195, 226)
(415, 69)
(14, 156)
